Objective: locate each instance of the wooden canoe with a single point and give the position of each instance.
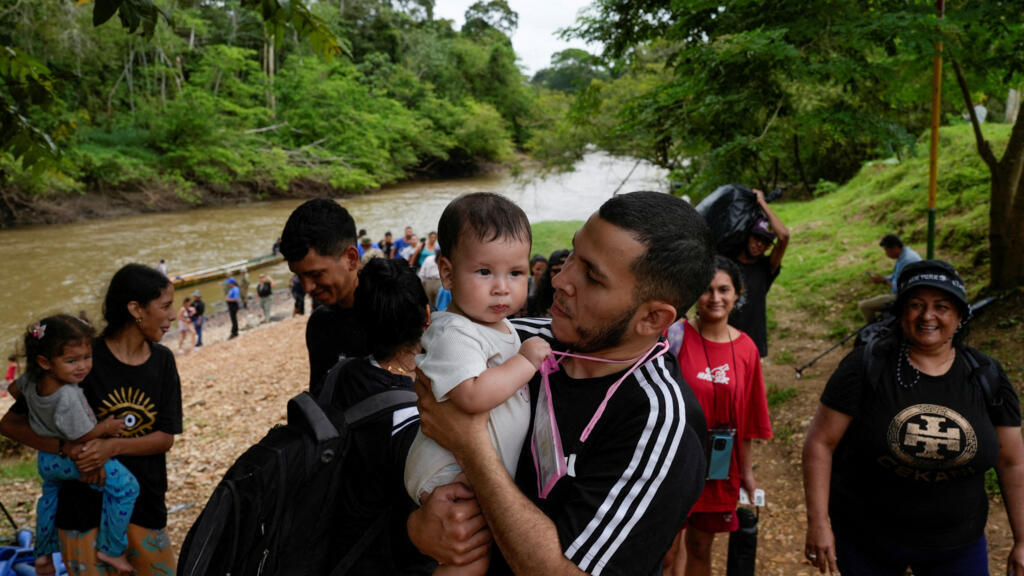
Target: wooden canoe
(222, 271)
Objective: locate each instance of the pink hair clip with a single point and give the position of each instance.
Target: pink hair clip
(38, 330)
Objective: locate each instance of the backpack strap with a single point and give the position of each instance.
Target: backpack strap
(303, 410)
(379, 403)
(326, 396)
(983, 372)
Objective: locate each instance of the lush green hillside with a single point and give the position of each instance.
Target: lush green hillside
(835, 236)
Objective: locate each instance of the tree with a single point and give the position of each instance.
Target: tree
(490, 14)
(571, 70)
(994, 51)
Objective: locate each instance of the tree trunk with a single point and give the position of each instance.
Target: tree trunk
(1012, 106)
(1006, 210)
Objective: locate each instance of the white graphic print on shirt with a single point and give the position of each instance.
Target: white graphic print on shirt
(715, 375)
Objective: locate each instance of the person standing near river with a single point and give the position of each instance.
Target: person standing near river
(265, 290)
(232, 299)
(135, 379)
(319, 243)
(199, 317)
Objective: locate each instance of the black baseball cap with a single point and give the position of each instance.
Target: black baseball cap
(934, 274)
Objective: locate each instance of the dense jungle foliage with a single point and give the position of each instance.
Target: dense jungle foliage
(216, 95)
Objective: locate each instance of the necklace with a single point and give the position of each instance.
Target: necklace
(399, 369)
(707, 358)
(905, 359)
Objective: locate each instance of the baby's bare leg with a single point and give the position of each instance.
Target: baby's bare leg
(119, 563)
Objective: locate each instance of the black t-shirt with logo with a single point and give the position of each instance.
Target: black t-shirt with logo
(148, 398)
(910, 469)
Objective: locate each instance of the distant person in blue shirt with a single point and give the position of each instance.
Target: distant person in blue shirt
(903, 255)
(233, 299)
(405, 245)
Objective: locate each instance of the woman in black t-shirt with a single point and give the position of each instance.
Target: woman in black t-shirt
(895, 458)
(135, 379)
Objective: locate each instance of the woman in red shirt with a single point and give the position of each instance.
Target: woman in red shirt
(723, 367)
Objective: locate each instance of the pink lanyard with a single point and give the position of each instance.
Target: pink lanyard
(548, 455)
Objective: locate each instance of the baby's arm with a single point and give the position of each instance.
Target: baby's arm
(110, 426)
(496, 385)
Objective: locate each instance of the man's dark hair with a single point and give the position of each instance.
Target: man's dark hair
(391, 305)
(320, 224)
(891, 241)
(485, 216)
(679, 262)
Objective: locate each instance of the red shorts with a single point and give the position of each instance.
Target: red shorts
(714, 522)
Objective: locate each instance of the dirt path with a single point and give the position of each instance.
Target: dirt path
(234, 391)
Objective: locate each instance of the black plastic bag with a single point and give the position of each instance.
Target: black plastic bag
(743, 545)
(731, 212)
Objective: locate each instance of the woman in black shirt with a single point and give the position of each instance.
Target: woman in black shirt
(895, 458)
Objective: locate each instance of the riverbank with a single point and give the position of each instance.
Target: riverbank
(18, 209)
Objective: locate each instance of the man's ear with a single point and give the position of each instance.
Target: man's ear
(654, 317)
(351, 257)
(447, 272)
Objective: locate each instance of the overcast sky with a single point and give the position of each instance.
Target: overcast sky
(535, 40)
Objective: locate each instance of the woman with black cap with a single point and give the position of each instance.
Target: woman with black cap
(897, 452)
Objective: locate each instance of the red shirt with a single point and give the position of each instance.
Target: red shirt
(12, 369)
(731, 392)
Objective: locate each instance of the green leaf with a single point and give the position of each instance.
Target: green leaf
(104, 10)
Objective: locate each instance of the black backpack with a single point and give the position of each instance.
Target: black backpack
(274, 512)
(264, 289)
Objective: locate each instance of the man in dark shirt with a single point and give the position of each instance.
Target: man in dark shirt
(759, 271)
(319, 243)
(634, 462)
(199, 317)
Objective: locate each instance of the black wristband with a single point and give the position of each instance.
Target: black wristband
(60, 448)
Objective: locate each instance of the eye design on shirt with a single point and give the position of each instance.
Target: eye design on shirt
(134, 407)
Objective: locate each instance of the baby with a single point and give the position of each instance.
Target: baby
(473, 356)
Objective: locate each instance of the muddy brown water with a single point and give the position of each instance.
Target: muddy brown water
(65, 268)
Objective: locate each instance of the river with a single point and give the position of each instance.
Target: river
(65, 268)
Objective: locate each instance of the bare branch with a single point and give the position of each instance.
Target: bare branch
(265, 129)
(983, 146)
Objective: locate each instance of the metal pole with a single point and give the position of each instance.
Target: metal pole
(933, 165)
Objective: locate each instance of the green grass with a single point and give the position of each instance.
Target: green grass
(835, 237)
(19, 469)
(554, 235)
(777, 396)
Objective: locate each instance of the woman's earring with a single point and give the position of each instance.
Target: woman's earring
(138, 320)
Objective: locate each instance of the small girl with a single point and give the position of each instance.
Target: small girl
(472, 353)
(185, 326)
(59, 356)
